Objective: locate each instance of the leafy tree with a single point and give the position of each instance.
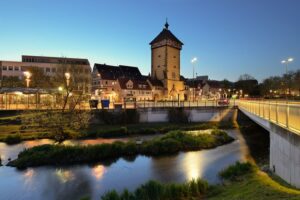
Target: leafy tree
(244, 77)
(12, 81)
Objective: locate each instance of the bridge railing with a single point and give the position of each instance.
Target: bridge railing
(283, 113)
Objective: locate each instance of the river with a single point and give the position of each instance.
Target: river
(76, 181)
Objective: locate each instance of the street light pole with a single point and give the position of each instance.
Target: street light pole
(193, 61)
(286, 63)
(27, 75)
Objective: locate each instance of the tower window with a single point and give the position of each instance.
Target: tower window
(159, 56)
(158, 66)
(174, 66)
(173, 75)
(174, 56)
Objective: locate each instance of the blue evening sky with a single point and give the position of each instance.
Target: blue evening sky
(229, 37)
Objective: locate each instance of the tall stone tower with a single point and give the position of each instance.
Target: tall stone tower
(165, 55)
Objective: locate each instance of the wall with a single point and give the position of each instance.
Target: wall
(195, 114)
(285, 155)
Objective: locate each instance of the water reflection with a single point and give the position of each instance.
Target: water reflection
(76, 181)
(98, 171)
(192, 165)
(64, 175)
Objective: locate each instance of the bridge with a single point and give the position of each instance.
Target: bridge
(282, 120)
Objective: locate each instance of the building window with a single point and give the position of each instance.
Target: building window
(10, 68)
(47, 69)
(173, 75)
(17, 68)
(106, 82)
(159, 56)
(4, 68)
(174, 56)
(174, 66)
(53, 70)
(158, 66)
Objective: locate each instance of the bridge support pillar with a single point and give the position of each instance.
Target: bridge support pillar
(285, 154)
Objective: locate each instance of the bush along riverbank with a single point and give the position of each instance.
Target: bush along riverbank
(171, 143)
(239, 181)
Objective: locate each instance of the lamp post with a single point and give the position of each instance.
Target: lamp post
(193, 61)
(68, 76)
(286, 63)
(27, 75)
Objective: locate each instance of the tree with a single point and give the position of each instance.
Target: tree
(12, 81)
(244, 77)
(60, 123)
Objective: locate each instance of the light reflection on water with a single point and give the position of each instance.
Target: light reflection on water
(73, 182)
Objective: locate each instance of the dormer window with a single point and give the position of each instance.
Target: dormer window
(129, 85)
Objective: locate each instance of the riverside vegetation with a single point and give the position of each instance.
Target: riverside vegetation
(240, 181)
(170, 143)
(18, 126)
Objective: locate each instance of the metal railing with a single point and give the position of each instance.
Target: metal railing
(185, 104)
(284, 113)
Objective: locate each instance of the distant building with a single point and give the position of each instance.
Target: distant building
(119, 83)
(202, 78)
(165, 64)
(51, 66)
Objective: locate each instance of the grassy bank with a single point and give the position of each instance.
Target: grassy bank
(13, 131)
(170, 143)
(240, 181)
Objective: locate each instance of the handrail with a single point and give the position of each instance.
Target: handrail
(285, 114)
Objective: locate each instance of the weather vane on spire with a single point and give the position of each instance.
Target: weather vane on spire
(167, 24)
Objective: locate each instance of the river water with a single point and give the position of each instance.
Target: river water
(76, 181)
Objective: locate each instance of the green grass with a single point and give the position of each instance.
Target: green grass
(249, 184)
(171, 143)
(257, 185)
(153, 190)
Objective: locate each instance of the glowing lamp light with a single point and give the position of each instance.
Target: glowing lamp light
(194, 60)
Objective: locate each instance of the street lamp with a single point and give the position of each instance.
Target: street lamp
(27, 75)
(68, 76)
(286, 63)
(193, 61)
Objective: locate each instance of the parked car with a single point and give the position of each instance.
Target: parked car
(223, 102)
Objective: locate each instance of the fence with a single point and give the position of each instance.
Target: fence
(285, 114)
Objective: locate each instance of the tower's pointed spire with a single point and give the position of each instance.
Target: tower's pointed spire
(167, 24)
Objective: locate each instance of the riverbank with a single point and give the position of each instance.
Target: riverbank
(240, 181)
(13, 129)
(171, 143)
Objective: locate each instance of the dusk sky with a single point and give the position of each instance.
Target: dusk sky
(229, 37)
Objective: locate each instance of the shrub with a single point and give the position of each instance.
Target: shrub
(170, 143)
(153, 190)
(13, 139)
(237, 170)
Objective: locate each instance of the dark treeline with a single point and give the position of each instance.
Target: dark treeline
(287, 85)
